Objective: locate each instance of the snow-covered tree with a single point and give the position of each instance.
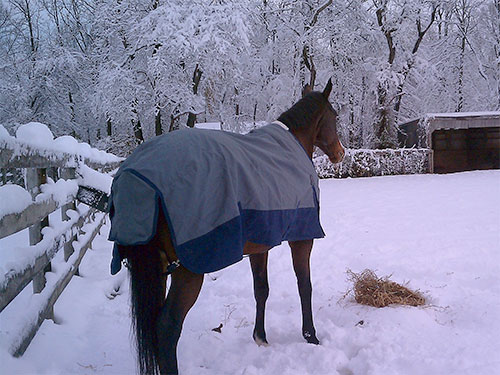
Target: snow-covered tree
(130, 68)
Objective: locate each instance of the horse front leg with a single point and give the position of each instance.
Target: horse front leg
(258, 263)
(301, 253)
(182, 295)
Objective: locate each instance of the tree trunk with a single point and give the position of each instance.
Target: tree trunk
(108, 126)
(172, 123)
(255, 113)
(196, 81)
(29, 19)
(385, 131)
(191, 120)
(411, 60)
(71, 106)
(137, 127)
(308, 62)
(307, 57)
(384, 125)
(136, 123)
(158, 129)
(461, 68)
(237, 106)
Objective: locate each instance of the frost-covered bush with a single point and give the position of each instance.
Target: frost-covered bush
(367, 163)
(119, 144)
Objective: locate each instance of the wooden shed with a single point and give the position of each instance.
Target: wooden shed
(459, 141)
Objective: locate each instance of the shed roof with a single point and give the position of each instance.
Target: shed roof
(418, 132)
(456, 120)
(464, 114)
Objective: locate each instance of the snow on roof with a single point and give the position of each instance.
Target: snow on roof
(208, 125)
(454, 120)
(461, 120)
(453, 115)
(463, 114)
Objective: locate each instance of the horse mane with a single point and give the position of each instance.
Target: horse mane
(305, 111)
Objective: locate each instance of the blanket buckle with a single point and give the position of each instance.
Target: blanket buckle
(172, 267)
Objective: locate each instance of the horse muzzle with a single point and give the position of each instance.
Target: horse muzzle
(337, 154)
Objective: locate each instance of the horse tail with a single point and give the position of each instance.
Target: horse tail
(147, 297)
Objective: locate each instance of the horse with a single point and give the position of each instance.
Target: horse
(154, 243)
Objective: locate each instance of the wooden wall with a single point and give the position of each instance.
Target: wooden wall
(466, 149)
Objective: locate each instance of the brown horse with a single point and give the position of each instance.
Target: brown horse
(158, 322)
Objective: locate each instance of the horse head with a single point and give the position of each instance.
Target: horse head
(313, 121)
(326, 137)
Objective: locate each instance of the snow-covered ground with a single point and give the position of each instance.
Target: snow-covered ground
(441, 233)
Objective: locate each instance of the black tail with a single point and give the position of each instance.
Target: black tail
(147, 298)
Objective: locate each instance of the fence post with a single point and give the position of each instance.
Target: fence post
(34, 178)
(68, 174)
(431, 160)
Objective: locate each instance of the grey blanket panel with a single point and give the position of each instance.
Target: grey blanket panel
(206, 176)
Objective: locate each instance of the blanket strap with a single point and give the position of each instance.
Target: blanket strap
(172, 266)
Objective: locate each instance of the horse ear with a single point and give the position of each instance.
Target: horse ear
(328, 89)
(306, 90)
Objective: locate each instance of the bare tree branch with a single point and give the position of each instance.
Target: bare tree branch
(318, 12)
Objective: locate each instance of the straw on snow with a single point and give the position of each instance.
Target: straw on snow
(371, 290)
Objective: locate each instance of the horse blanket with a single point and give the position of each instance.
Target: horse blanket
(217, 190)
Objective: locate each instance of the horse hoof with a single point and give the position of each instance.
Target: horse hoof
(260, 341)
(311, 338)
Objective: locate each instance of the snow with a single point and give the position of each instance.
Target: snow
(16, 257)
(35, 133)
(60, 191)
(464, 114)
(92, 178)
(440, 233)
(39, 137)
(13, 199)
(66, 143)
(208, 125)
(37, 303)
(4, 133)
(429, 116)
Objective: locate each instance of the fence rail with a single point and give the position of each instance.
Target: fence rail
(69, 236)
(16, 154)
(34, 213)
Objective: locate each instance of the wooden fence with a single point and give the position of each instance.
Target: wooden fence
(70, 237)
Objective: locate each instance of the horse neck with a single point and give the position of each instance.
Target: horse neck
(311, 108)
(306, 137)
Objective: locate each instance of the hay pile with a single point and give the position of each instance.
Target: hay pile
(371, 290)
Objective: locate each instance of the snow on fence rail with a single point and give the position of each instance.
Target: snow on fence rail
(30, 208)
(368, 163)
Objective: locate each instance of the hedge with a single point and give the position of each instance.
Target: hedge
(368, 163)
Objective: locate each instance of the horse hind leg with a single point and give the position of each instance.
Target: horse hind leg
(258, 263)
(182, 295)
